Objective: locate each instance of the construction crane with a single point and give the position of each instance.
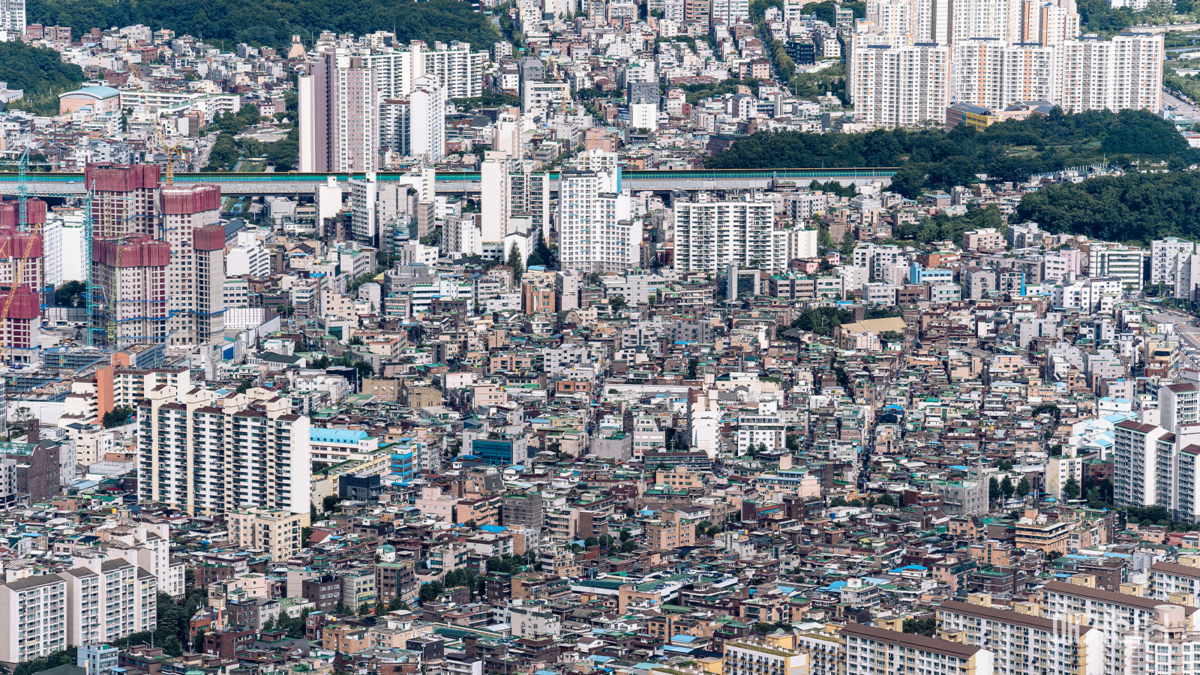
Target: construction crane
(171, 150)
(22, 226)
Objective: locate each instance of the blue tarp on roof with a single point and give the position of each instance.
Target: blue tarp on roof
(322, 435)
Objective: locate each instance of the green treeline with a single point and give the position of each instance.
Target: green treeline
(937, 159)
(1137, 207)
(273, 22)
(41, 73)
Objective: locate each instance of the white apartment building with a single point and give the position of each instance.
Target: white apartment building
(1028, 73)
(596, 230)
(643, 116)
(977, 65)
(1015, 638)
(248, 257)
(893, 86)
(730, 11)
(760, 429)
(363, 195)
(459, 70)
(794, 244)
(1165, 579)
(875, 651)
(537, 95)
(710, 236)
(147, 545)
(1178, 404)
(427, 110)
(35, 611)
(212, 455)
(805, 205)
(1003, 52)
(1090, 296)
(1114, 615)
(1122, 73)
(1168, 646)
(1164, 258)
(1135, 458)
(12, 19)
(495, 186)
(748, 658)
(462, 236)
(108, 600)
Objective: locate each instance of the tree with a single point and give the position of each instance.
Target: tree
(625, 535)
(431, 590)
(848, 244)
(1023, 487)
(628, 546)
(1006, 487)
(824, 239)
(116, 417)
(926, 626)
(1071, 489)
(617, 303)
(994, 492)
(71, 293)
(514, 261)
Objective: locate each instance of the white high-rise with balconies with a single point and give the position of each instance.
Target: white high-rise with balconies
(597, 232)
(427, 110)
(205, 453)
(894, 86)
(712, 235)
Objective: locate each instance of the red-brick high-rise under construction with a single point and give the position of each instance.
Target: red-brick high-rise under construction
(173, 290)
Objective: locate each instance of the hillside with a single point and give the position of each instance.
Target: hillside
(273, 22)
(1131, 208)
(40, 72)
(1009, 151)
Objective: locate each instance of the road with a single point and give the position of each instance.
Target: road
(1189, 332)
(1181, 107)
